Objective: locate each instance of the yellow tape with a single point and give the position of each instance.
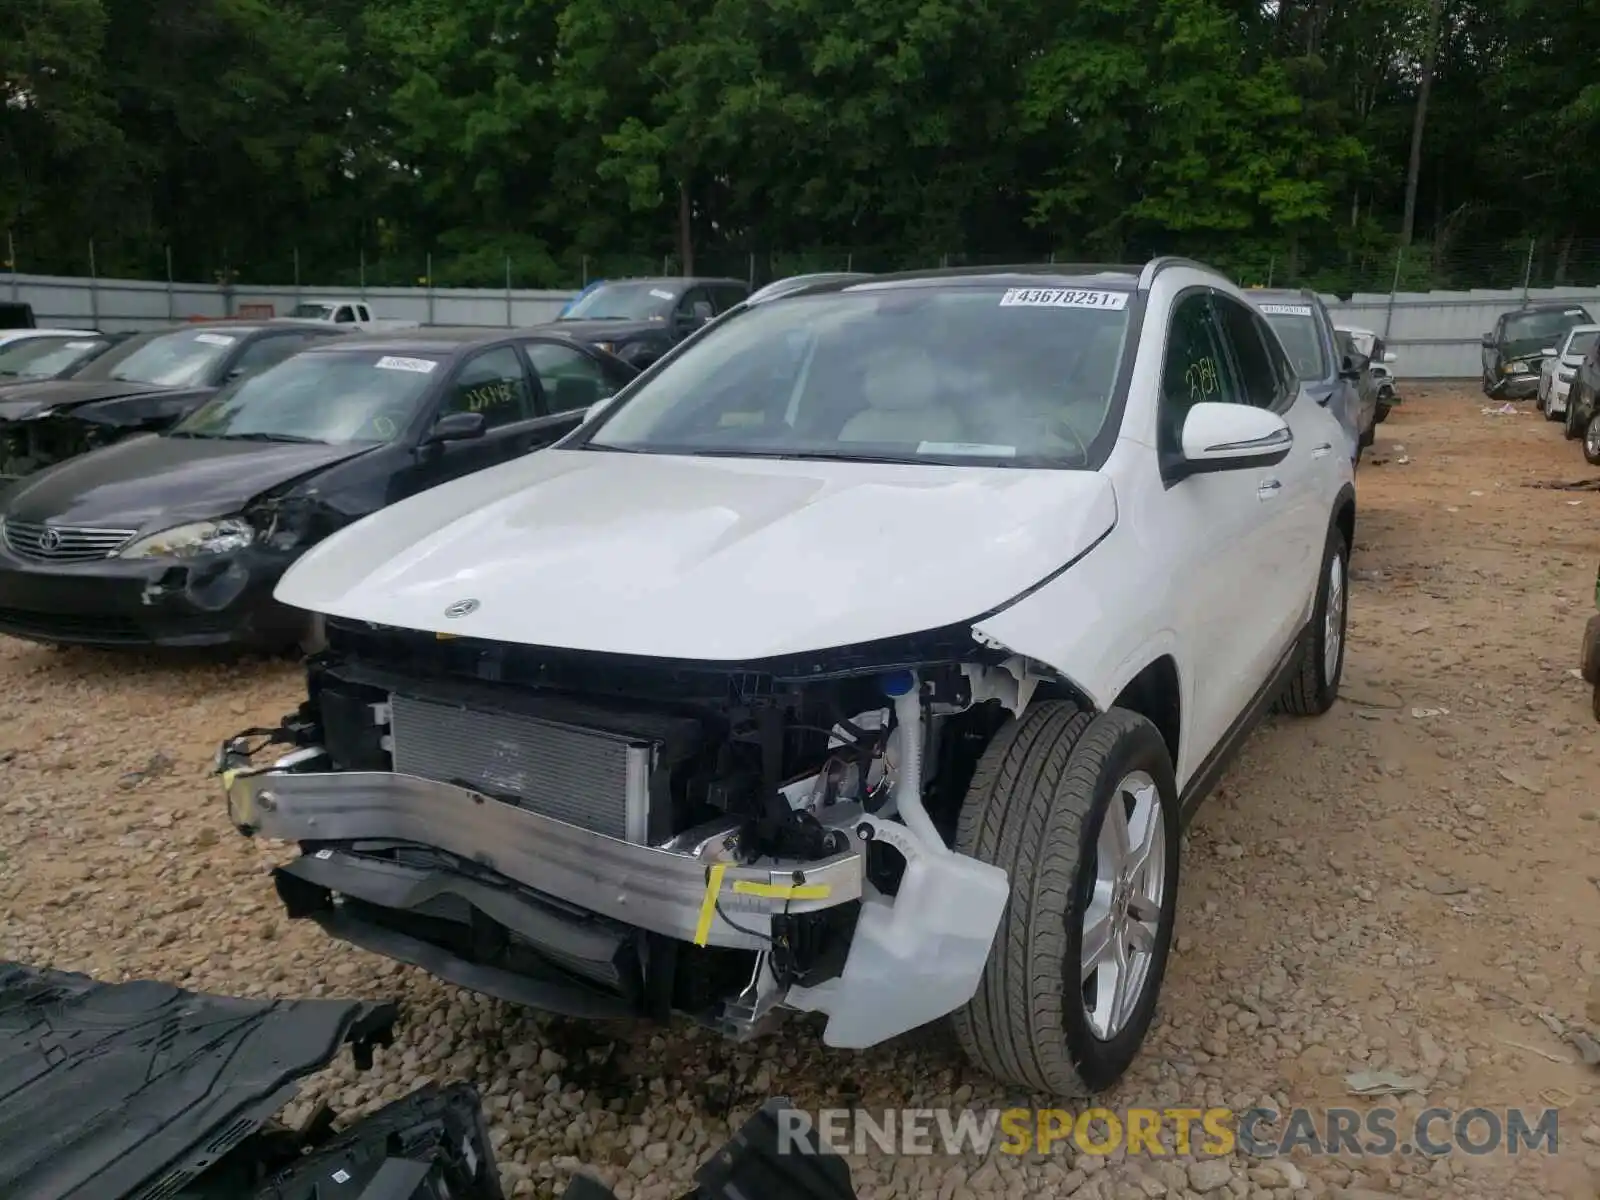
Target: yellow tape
(446, 637)
(783, 891)
(228, 777)
(708, 906)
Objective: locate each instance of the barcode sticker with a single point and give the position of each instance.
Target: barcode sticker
(422, 366)
(216, 339)
(1063, 298)
(1285, 310)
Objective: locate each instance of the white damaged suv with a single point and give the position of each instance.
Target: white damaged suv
(865, 657)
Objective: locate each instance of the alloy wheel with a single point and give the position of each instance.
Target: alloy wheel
(1333, 619)
(1122, 921)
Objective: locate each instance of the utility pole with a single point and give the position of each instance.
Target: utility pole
(1419, 121)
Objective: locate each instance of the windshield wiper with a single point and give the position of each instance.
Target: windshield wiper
(263, 436)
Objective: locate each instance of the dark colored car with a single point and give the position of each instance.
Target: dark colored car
(58, 356)
(639, 320)
(1513, 350)
(145, 384)
(179, 538)
(16, 316)
(1327, 367)
(1583, 409)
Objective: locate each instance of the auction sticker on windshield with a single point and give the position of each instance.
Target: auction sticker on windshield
(215, 339)
(79, 345)
(422, 366)
(660, 295)
(1285, 310)
(979, 449)
(1062, 298)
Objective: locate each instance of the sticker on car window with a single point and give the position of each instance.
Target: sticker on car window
(215, 339)
(1286, 310)
(81, 345)
(1573, 312)
(421, 366)
(1063, 298)
(660, 295)
(967, 448)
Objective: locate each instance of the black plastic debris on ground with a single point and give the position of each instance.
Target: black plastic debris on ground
(136, 1090)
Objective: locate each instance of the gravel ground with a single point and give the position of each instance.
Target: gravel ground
(1406, 884)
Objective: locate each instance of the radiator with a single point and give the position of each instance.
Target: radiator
(593, 779)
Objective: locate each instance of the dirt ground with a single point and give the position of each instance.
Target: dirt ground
(1408, 884)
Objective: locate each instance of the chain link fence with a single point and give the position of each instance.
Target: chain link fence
(1373, 266)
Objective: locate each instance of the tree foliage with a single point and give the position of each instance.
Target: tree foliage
(394, 137)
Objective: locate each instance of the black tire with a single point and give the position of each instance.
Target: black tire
(1591, 440)
(1571, 427)
(1382, 415)
(1035, 807)
(1313, 688)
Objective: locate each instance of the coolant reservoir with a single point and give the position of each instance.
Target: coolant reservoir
(916, 955)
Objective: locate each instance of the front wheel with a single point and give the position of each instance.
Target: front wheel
(1315, 685)
(1081, 812)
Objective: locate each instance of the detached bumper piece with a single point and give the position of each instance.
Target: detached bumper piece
(142, 1089)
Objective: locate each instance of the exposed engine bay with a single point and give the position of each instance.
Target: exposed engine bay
(609, 836)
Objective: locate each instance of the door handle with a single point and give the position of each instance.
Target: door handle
(1322, 450)
(1268, 489)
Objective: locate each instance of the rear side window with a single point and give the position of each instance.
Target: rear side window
(570, 378)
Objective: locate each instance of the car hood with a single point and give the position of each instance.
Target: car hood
(722, 559)
(155, 482)
(36, 396)
(606, 331)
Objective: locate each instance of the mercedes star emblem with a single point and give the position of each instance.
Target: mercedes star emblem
(461, 608)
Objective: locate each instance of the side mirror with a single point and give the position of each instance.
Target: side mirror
(1487, 341)
(456, 427)
(1350, 367)
(1228, 437)
(1548, 352)
(1390, 356)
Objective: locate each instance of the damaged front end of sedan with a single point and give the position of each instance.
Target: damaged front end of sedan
(36, 435)
(606, 835)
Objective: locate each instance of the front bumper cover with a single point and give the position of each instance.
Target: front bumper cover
(688, 895)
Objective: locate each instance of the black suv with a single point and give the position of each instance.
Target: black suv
(1513, 350)
(639, 320)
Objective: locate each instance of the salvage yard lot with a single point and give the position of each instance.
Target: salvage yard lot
(1406, 884)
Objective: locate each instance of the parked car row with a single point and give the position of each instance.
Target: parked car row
(1344, 369)
(161, 482)
(864, 656)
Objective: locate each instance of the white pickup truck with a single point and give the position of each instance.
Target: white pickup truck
(339, 311)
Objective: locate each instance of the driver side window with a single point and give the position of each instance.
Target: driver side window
(491, 383)
(1196, 368)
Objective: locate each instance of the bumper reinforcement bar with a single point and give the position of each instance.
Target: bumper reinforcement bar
(670, 892)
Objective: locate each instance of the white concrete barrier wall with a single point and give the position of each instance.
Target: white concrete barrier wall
(118, 304)
(1435, 334)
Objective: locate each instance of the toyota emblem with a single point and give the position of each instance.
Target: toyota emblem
(49, 540)
(461, 608)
